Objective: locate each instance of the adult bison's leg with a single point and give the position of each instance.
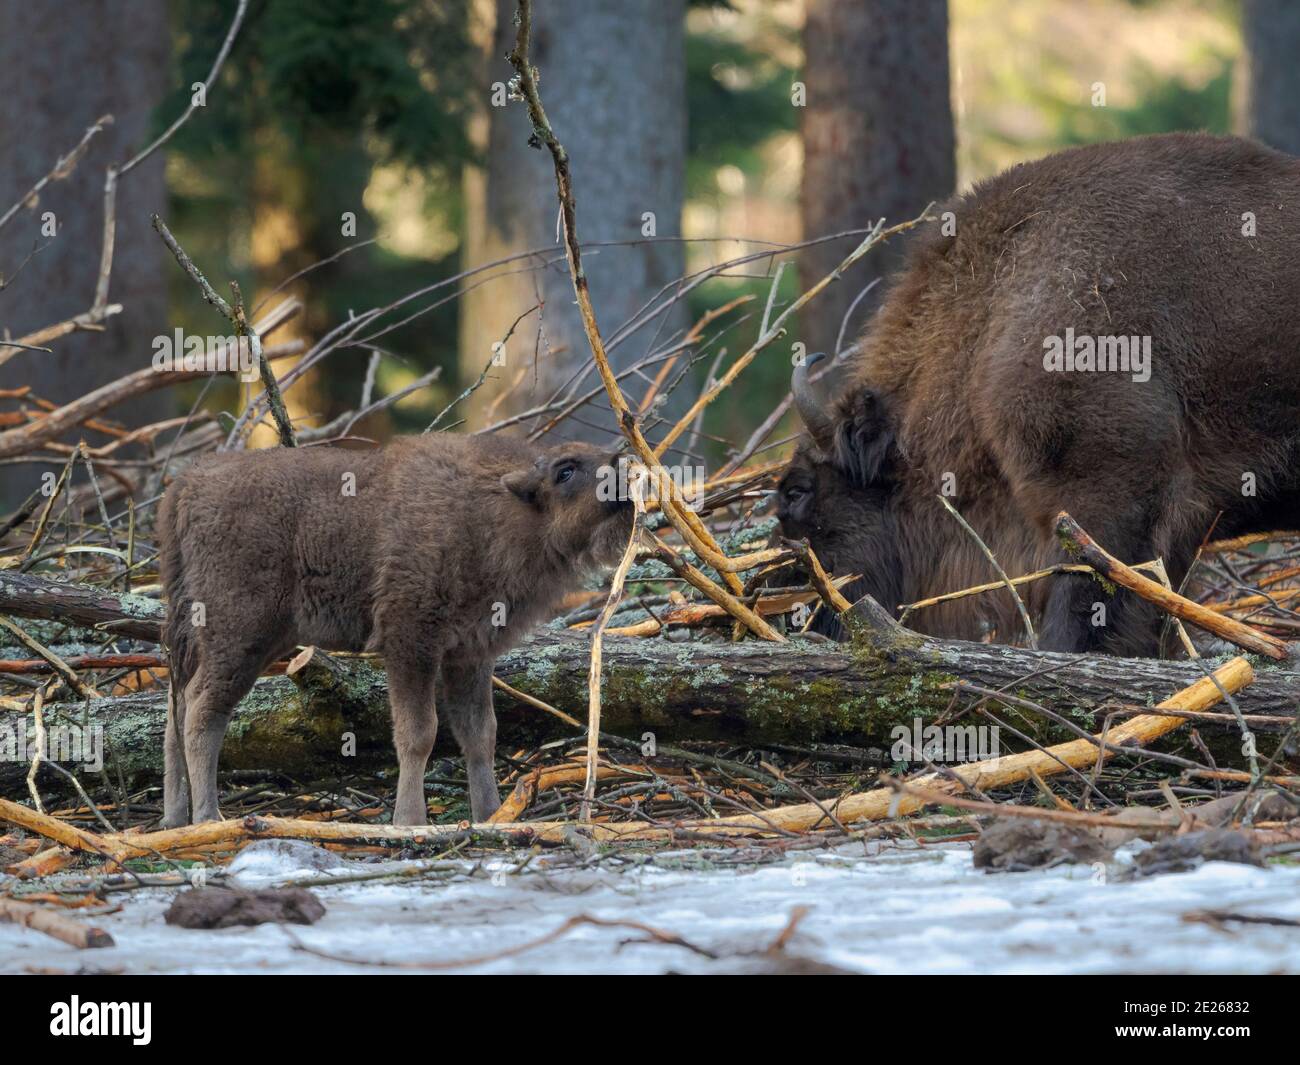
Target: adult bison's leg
(1085, 614)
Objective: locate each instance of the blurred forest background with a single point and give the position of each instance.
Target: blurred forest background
(700, 131)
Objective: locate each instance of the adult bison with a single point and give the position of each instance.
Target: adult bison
(1113, 331)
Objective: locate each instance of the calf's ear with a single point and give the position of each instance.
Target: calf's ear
(524, 484)
(865, 448)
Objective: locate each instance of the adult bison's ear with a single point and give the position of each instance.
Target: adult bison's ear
(526, 484)
(865, 448)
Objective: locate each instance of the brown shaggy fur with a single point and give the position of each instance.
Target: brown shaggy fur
(1143, 237)
(448, 552)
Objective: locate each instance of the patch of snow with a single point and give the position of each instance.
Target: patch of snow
(274, 860)
(906, 909)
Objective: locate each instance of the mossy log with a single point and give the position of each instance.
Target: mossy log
(325, 722)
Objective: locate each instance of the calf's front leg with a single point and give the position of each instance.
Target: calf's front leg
(411, 686)
(467, 704)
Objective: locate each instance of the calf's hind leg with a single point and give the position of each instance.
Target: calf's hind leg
(468, 707)
(176, 793)
(209, 702)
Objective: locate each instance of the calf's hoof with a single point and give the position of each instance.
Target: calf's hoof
(410, 817)
(484, 809)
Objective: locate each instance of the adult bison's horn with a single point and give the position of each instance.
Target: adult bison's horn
(811, 406)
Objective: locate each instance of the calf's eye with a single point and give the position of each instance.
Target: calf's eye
(563, 474)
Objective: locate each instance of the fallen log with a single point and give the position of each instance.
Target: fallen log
(43, 863)
(876, 805)
(26, 596)
(327, 724)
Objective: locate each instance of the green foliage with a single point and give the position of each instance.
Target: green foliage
(1165, 105)
(1160, 104)
(314, 95)
(339, 63)
(737, 99)
(400, 71)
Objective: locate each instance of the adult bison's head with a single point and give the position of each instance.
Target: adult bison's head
(840, 490)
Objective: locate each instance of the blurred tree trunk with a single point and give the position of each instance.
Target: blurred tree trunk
(1270, 82)
(64, 70)
(300, 192)
(878, 141)
(613, 80)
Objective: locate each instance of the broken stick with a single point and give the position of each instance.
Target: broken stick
(53, 923)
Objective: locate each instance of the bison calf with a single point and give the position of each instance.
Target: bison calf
(439, 552)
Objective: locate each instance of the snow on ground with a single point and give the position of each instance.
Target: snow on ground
(901, 910)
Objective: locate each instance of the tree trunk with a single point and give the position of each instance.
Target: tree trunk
(626, 137)
(1270, 76)
(878, 141)
(64, 70)
(325, 723)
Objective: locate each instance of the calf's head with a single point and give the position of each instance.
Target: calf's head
(583, 512)
(840, 491)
